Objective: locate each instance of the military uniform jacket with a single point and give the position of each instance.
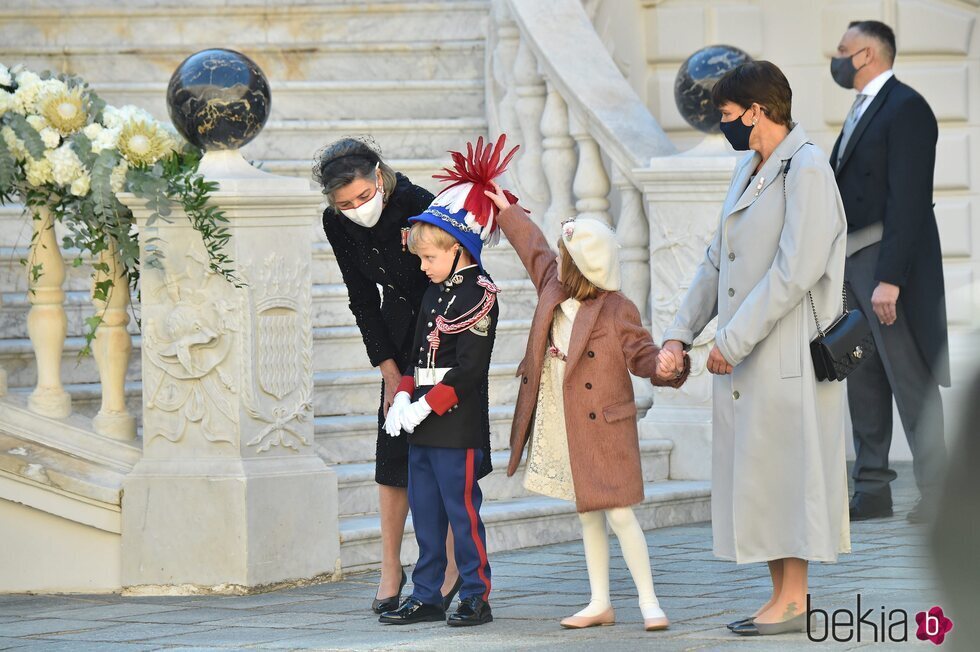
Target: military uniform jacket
(456, 328)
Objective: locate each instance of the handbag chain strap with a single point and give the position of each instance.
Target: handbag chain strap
(813, 307)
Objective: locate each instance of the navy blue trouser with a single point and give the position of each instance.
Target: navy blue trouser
(443, 490)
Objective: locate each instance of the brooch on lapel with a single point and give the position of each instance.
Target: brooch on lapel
(758, 186)
(405, 239)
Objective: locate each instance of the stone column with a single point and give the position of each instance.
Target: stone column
(230, 494)
(47, 323)
(684, 195)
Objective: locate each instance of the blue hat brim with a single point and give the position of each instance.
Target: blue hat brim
(450, 223)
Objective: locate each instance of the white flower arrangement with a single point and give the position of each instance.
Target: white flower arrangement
(62, 147)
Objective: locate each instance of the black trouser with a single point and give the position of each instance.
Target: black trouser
(900, 370)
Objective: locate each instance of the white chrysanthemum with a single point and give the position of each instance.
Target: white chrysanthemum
(28, 89)
(93, 130)
(38, 173)
(50, 137)
(117, 117)
(5, 78)
(14, 144)
(66, 167)
(81, 185)
(102, 138)
(117, 180)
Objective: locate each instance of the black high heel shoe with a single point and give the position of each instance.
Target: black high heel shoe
(390, 604)
(447, 600)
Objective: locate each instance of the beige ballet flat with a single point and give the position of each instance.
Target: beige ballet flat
(607, 617)
(655, 624)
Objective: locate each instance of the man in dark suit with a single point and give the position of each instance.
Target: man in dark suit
(884, 159)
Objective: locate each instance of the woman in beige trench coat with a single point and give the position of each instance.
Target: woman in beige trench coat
(779, 485)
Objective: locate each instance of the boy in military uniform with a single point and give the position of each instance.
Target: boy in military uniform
(442, 402)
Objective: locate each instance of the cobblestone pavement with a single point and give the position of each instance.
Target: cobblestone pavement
(533, 590)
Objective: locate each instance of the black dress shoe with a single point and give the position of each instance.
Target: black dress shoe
(471, 611)
(737, 623)
(413, 611)
(390, 604)
(447, 600)
(867, 506)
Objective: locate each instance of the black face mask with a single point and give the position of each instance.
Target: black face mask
(737, 132)
(843, 71)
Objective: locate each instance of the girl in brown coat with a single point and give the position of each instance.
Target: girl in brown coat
(576, 397)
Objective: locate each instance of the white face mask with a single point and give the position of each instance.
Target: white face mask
(368, 213)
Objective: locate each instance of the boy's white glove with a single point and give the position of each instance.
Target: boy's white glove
(414, 414)
(393, 423)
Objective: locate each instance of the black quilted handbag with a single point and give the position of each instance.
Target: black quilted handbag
(839, 350)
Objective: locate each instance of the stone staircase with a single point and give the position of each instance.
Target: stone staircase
(410, 74)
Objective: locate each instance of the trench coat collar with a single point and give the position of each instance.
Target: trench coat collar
(793, 141)
(585, 319)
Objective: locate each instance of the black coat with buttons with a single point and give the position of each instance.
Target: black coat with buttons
(460, 402)
(373, 257)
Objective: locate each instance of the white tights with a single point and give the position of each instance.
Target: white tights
(634, 546)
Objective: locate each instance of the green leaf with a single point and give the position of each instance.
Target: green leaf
(8, 169)
(83, 148)
(23, 129)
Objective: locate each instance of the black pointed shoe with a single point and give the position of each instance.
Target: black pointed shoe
(447, 600)
(739, 623)
(866, 506)
(390, 604)
(413, 611)
(471, 611)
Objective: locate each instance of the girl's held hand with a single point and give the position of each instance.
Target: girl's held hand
(499, 198)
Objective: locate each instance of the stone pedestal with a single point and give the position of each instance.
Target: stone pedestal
(229, 495)
(684, 195)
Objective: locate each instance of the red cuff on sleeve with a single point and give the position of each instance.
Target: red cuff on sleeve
(441, 397)
(407, 385)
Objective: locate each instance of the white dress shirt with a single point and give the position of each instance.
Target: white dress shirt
(871, 89)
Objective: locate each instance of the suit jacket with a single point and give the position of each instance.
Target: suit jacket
(886, 176)
(460, 402)
(608, 342)
(369, 258)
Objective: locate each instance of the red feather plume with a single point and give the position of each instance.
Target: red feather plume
(479, 166)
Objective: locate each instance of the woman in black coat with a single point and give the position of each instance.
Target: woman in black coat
(367, 224)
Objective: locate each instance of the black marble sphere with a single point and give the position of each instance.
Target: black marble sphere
(218, 99)
(697, 76)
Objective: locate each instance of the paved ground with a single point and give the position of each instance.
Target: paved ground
(533, 589)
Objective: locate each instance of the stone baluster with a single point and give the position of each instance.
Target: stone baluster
(47, 323)
(633, 234)
(530, 105)
(112, 346)
(558, 161)
(591, 184)
(501, 101)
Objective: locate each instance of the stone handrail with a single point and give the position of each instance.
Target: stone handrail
(552, 86)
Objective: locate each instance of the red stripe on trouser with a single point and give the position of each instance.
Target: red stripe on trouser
(474, 531)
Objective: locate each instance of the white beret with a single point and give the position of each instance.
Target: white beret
(593, 247)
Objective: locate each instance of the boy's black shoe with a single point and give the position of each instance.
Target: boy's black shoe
(866, 506)
(413, 611)
(471, 611)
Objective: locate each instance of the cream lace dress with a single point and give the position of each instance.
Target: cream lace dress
(548, 469)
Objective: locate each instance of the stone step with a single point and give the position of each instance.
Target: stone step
(334, 392)
(337, 349)
(397, 138)
(351, 100)
(500, 261)
(192, 24)
(517, 298)
(280, 61)
(352, 439)
(358, 492)
(330, 307)
(531, 521)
